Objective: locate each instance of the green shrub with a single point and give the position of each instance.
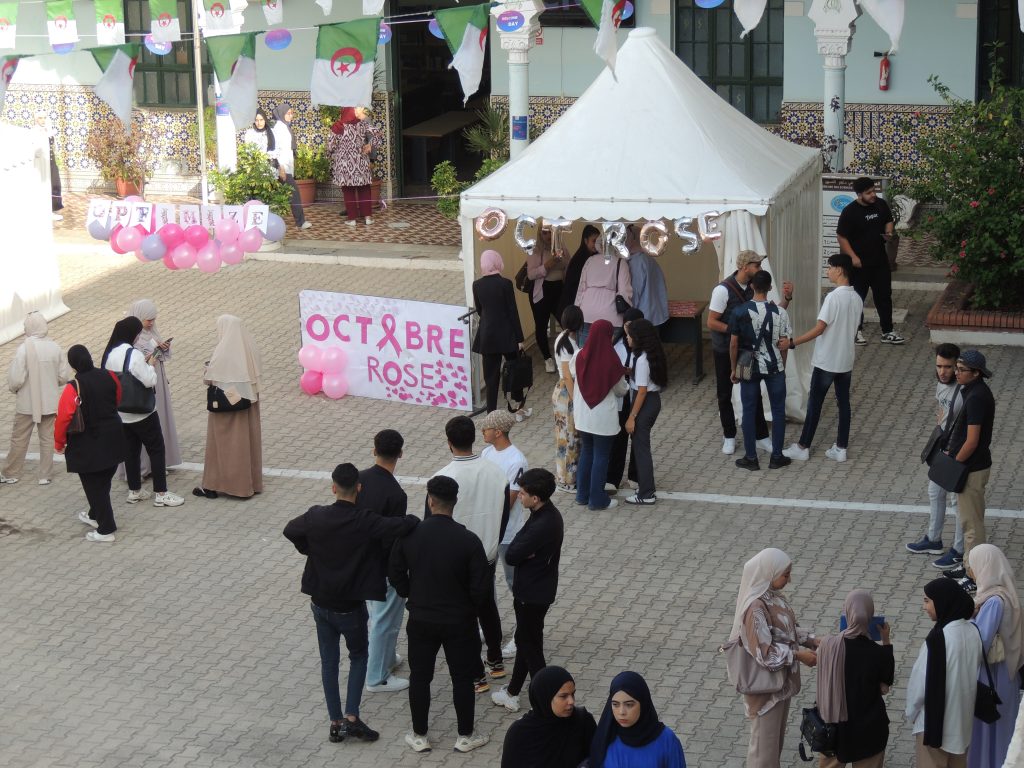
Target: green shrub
(253, 179)
(312, 164)
(447, 187)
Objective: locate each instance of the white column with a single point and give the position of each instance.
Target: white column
(518, 44)
(833, 31)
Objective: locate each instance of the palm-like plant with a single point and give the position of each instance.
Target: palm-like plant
(489, 137)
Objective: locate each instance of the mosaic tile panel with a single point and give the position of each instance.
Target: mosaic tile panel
(544, 110)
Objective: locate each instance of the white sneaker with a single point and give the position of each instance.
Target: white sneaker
(391, 685)
(97, 536)
(134, 497)
(416, 742)
(728, 445)
(45, 481)
(58, 217)
(836, 453)
(508, 650)
(352, 223)
(859, 339)
(612, 504)
(471, 742)
(765, 444)
(796, 452)
(503, 698)
(83, 516)
(8, 480)
(396, 663)
(369, 220)
(306, 225)
(609, 488)
(524, 413)
(549, 365)
(167, 499)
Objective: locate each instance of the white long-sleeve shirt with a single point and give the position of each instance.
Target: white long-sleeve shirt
(283, 147)
(138, 368)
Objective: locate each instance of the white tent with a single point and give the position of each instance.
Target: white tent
(652, 141)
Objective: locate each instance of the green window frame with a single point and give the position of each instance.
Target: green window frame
(997, 23)
(165, 81)
(746, 73)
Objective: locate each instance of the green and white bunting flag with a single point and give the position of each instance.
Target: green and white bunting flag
(374, 7)
(326, 6)
(60, 22)
(115, 87)
(8, 64)
(273, 11)
(109, 22)
(164, 24)
(234, 61)
(343, 70)
(218, 16)
(8, 24)
(606, 15)
(465, 31)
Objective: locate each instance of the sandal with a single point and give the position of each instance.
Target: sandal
(203, 493)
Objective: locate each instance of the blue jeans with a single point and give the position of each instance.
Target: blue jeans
(820, 382)
(385, 623)
(937, 497)
(331, 626)
(750, 394)
(592, 470)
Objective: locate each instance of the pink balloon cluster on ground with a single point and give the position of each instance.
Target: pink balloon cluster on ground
(184, 248)
(324, 371)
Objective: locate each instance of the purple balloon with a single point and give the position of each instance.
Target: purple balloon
(275, 228)
(99, 230)
(153, 247)
(277, 39)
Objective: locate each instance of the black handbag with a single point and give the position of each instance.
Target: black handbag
(523, 282)
(987, 701)
(77, 424)
(940, 435)
(217, 401)
(136, 397)
(946, 472)
(819, 735)
(517, 379)
(621, 305)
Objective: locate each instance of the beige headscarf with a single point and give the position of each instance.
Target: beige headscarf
(758, 574)
(994, 576)
(148, 340)
(859, 608)
(35, 328)
(235, 362)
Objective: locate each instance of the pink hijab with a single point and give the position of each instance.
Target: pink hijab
(859, 608)
(491, 263)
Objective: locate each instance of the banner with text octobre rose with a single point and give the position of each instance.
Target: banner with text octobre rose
(408, 351)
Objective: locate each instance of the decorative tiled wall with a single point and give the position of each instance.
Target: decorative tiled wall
(544, 110)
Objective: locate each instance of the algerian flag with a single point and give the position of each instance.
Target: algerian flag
(109, 22)
(606, 15)
(164, 24)
(888, 14)
(8, 64)
(8, 24)
(218, 15)
(465, 31)
(326, 5)
(343, 70)
(115, 87)
(374, 7)
(60, 22)
(273, 11)
(234, 61)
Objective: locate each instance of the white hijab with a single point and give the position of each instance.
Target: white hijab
(150, 339)
(235, 362)
(758, 574)
(35, 328)
(994, 576)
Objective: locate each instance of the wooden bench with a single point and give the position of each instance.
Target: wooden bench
(685, 325)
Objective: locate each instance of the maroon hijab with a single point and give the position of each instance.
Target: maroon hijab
(598, 368)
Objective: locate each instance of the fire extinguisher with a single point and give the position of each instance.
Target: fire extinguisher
(883, 73)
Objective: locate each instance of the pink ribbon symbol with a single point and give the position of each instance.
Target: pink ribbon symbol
(388, 324)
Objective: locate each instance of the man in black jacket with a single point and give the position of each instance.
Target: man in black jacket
(344, 569)
(442, 570)
(535, 553)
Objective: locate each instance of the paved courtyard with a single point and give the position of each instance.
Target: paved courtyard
(187, 642)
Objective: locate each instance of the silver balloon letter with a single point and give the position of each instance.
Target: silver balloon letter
(557, 227)
(615, 238)
(691, 243)
(521, 240)
(653, 236)
(707, 223)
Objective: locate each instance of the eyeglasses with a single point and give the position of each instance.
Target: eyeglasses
(964, 369)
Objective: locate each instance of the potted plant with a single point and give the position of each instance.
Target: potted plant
(119, 154)
(312, 167)
(253, 179)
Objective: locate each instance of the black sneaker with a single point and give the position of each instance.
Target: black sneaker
(360, 730)
(968, 585)
(778, 462)
(956, 573)
(751, 464)
(337, 734)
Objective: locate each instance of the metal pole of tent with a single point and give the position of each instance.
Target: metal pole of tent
(197, 56)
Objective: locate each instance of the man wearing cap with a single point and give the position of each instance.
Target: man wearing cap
(864, 227)
(442, 570)
(726, 296)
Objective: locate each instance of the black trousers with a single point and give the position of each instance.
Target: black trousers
(529, 643)
(723, 390)
(297, 213)
(546, 307)
(878, 279)
(490, 623)
(461, 652)
(145, 433)
(492, 376)
(97, 492)
(617, 458)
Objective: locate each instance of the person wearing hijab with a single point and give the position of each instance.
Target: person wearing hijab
(36, 375)
(943, 682)
(999, 619)
(140, 429)
(284, 153)
(853, 673)
(94, 453)
(599, 381)
(499, 333)
(765, 623)
(234, 440)
(44, 125)
(349, 147)
(630, 733)
(601, 281)
(260, 135)
(567, 452)
(620, 448)
(574, 269)
(555, 733)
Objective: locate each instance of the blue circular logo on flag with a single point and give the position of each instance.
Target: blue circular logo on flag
(709, 3)
(435, 29)
(841, 201)
(510, 21)
(277, 39)
(385, 35)
(63, 48)
(157, 48)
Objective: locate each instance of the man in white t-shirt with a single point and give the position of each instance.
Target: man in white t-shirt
(833, 358)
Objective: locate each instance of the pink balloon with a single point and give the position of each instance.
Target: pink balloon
(197, 236)
(311, 358)
(169, 260)
(251, 240)
(184, 256)
(114, 232)
(334, 360)
(141, 257)
(311, 382)
(129, 239)
(226, 231)
(134, 199)
(172, 235)
(335, 385)
(231, 253)
(208, 258)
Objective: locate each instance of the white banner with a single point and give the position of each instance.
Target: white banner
(99, 210)
(407, 351)
(188, 215)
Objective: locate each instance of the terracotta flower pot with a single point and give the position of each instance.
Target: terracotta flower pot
(307, 191)
(126, 188)
(375, 195)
